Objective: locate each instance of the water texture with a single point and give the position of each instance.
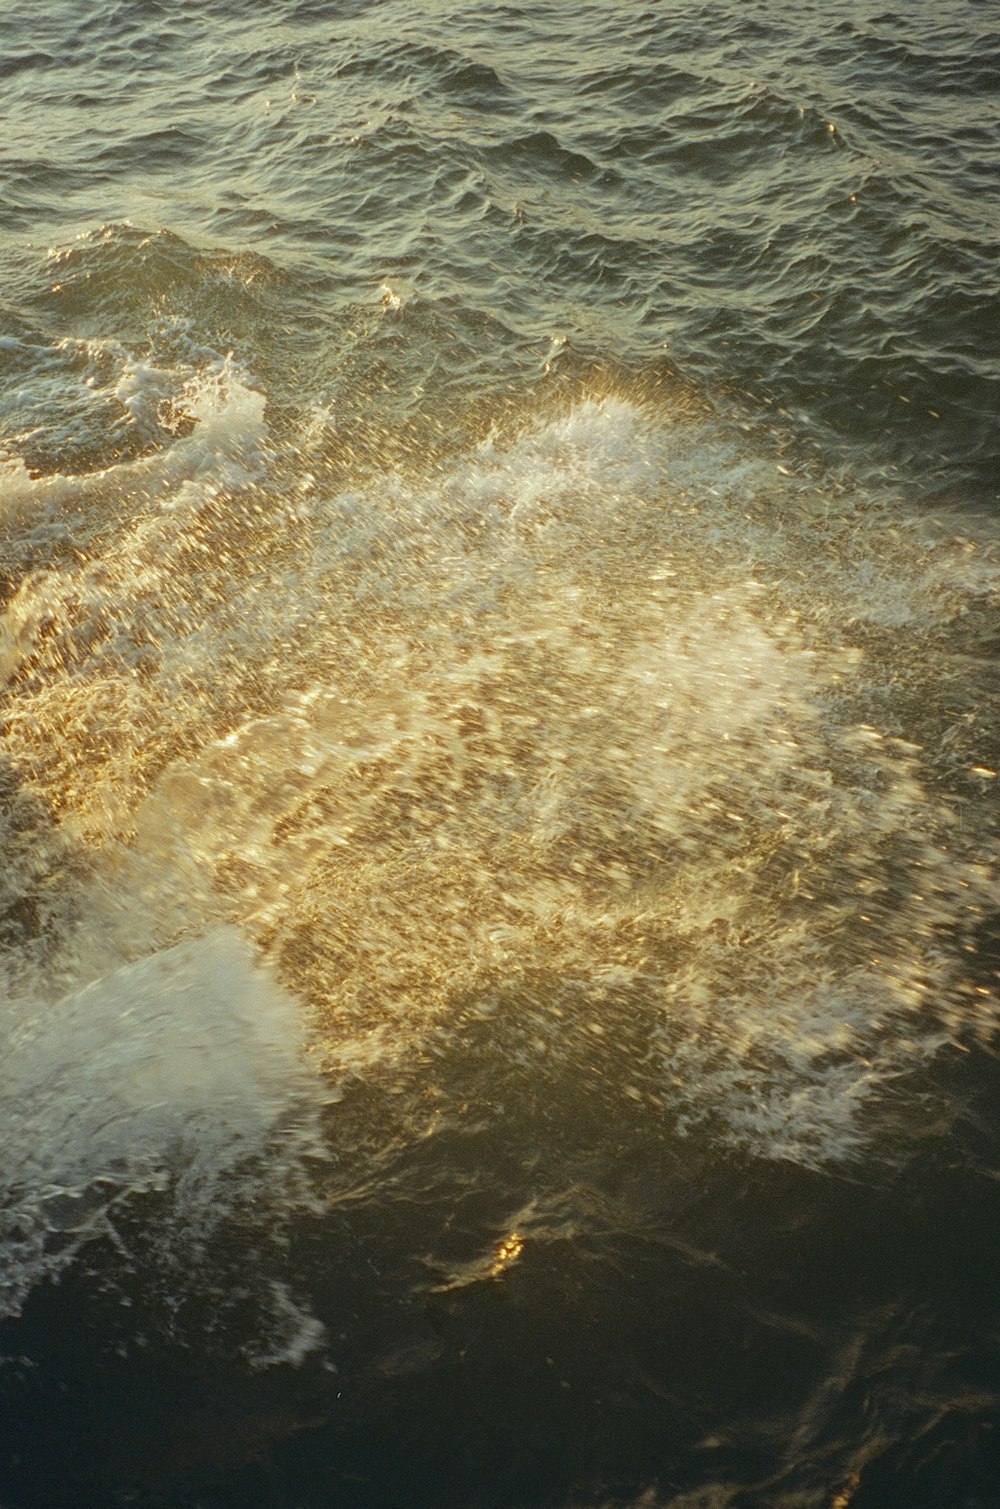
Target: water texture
(499, 920)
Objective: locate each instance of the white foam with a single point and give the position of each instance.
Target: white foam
(294, 1333)
(224, 446)
(178, 1071)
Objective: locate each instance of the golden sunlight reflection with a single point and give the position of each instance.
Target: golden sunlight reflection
(507, 1254)
(533, 743)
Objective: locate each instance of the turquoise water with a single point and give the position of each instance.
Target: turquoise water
(500, 918)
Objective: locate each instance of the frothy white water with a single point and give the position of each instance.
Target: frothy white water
(222, 424)
(616, 735)
(181, 1071)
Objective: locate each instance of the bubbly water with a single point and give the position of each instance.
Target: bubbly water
(500, 913)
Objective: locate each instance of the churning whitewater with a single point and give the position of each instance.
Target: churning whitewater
(606, 731)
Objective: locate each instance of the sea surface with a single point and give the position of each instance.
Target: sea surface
(499, 912)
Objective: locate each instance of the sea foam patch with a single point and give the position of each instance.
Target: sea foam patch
(181, 1072)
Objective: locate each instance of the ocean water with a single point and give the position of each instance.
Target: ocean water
(499, 921)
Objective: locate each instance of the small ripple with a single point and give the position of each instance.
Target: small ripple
(243, 76)
(475, 83)
(166, 146)
(947, 68)
(543, 150)
(24, 62)
(632, 88)
(427, 68)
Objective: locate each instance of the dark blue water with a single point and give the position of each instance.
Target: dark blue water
(499, 917)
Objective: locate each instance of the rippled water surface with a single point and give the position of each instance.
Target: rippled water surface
(499, 919)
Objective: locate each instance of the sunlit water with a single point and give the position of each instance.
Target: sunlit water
(500, 909)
